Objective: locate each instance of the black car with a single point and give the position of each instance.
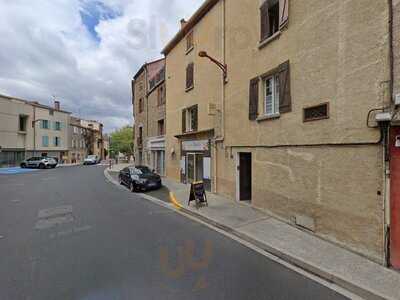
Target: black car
(139, 178)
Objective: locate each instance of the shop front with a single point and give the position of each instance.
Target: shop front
(196, 161)
(156, 149)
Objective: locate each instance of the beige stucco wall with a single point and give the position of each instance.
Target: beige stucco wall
(10, 110)
(207, 83)
(44, 114)
(338, 52)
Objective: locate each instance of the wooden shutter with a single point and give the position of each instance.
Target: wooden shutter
(253, 99)
(283, 13)
(265, 30)
(189, 75)
(285, 101)
(183, 120)
(195, 118)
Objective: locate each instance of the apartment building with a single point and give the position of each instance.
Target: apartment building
(194, 89)
(149, 98)
(50, 131)
(94, 137)
(291, 129)
(78, 141)
(15, 130)
(29, 128)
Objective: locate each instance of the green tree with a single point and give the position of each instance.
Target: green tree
(122, 141)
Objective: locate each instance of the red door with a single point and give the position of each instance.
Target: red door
(395, 197)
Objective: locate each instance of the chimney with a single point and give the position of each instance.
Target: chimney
(57, 105)
(183, 23)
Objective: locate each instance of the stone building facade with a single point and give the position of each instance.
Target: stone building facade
(149, 98)
(293, 130)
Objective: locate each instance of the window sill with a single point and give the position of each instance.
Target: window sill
(189, 50)
(22, 132)
(269, 117)
(189, 89)
(268, 40)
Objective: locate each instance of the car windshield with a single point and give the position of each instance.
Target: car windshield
(143, 170)
(91, 157)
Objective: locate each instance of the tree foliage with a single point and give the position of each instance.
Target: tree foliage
(122, 141)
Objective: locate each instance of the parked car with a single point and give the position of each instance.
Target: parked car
(39, 162)
(139, 178)
(91, 160)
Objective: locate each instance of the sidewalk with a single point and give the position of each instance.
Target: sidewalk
(326, 260)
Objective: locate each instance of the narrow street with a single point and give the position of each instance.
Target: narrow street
(69, 234)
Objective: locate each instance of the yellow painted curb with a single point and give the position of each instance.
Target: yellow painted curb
(174, 201)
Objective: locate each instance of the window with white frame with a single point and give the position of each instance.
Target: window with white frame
(271, 95)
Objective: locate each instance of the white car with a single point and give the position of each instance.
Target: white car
(91, 160)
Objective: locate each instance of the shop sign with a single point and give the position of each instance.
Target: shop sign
(201, 145)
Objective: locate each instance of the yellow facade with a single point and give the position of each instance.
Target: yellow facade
(329, 172)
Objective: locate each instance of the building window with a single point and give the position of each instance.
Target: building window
(274, 16)
(57, 126)
(22, 123)
(315, 113)
(190, 119)
(161, 96)
(189, 42)
(189, 76)
(161, 129)
(152, 83)
(45, 124)
(141, 105)
(275, 97)
(45, 141)
(271, 95)
(57, 141)
(140, 137)
(76, 130)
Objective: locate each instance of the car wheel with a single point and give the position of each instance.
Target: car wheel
(132, 187)
(120, 180)
(42, 166)
(23, 166)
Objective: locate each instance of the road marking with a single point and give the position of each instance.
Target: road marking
(51, 217)
(15, 201)
(70, 231)
(51, 222)
(1, 237)
(55, 211)
(48, 178)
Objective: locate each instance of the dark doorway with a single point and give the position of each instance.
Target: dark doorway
(245, 176)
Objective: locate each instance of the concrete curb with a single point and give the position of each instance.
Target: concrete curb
(315, 270)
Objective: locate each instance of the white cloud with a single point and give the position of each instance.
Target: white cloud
(46, 50)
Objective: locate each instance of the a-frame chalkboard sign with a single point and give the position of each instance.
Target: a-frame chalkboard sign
(198, 194)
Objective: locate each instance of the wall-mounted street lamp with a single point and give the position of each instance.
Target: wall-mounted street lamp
(222, 66)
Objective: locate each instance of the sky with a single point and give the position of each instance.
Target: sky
(84, 52)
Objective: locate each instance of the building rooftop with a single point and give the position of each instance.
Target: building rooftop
(34, 103)
(194, 19)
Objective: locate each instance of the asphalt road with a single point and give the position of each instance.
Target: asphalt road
(69, 234)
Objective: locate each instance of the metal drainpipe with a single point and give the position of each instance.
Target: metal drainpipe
(386, 158)
(222, 137)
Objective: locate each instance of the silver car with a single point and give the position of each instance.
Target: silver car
(39, 162)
